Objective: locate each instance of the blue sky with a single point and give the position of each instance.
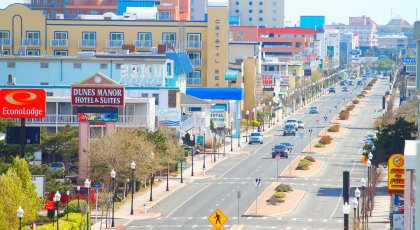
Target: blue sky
(339, 10)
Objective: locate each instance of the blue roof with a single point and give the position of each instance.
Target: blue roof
(217, 93)
(182, 64)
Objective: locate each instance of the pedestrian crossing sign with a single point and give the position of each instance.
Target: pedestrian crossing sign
(217, 219)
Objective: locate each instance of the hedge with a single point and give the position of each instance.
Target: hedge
(284, 188)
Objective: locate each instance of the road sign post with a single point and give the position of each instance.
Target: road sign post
(277, 158)
(257, 184)
(238, 195)
(217, 218)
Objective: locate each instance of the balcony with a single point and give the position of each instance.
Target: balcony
(30, 42)
(59, 42)
(194, 44)
(62, 120)
(114, 43)
(142, 43)
(196, 62)
(169, 43)
(87, 43)
(4, 41)
(193, 81)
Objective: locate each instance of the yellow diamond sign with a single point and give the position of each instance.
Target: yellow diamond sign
(217, 219)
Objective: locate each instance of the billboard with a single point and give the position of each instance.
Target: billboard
(98, 117)
(268, 80)
(217, 115)
(354, 52)
(396, 174)
(330, 51)
(409, 61)
(170, 116)
(285, 80)
(23, 103)
(97, 96)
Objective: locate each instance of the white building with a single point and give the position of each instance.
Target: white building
(261, 13)
(198, 10)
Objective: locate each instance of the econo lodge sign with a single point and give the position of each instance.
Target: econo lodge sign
(97, 96)
(22, 103)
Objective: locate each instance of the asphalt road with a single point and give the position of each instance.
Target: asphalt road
(320, 208)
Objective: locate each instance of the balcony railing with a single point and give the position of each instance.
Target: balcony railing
(196, 62)
(59, 42)
(59, 120)
(169, 43)
(194, 44)
(114, 43)
(142, 43)
(5, 41)
(193, 81)
(30, 42)
(87, 43)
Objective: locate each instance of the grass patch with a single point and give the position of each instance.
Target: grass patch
(319, 145)
(279, 194)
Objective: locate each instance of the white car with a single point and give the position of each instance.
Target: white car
(294, 122)
(256, 137)
(301, 125)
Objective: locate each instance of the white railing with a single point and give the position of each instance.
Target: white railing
(196, 62)
(5, 41)
(114, 43)
(194, 44)
(170, 43)
(142, 43)
(194, 82)
(59, 42)
(87, 43)
(123, 120)
(30, 42)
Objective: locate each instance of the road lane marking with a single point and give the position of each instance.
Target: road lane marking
(185, 201)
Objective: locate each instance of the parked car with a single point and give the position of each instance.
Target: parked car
(301, 125)
(289, 129)
(350, 82)
(360, 83)
(255, 137)
(294, 122)
(57, 166)
(288, 145)
(313, 110)
(343, 83)
(188, 148)
(331, 90)
(281, 150)
(344, 89)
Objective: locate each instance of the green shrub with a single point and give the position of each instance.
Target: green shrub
(74, 208)
(350, 107)
(344, 115)
(304, 162)
(284, 188)
(335, 128)
(74, 217)
(302, 167)
(310, 158)
(355, 101)
(319, 145)
(279, 195)
(274, 200)
(325, 140)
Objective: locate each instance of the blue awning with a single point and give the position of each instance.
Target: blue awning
(217, 93)
(182, 64)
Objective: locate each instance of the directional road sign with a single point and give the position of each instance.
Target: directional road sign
(217, 219)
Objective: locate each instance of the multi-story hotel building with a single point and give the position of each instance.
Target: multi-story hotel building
(261, 13)
(30, 32)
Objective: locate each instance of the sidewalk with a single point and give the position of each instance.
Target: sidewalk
(380, 212)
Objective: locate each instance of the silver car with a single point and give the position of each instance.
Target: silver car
(301, 125)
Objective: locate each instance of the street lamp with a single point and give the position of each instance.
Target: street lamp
(363, 183)
(152, 178)
(346, 211)
(253, 118)
(357, 195)
(355, 204)
(56, 199)
(133, 168)
(20, 215)
(87, 185)
(247, 125)
(78, 196)
(270, 115)
(310, 140)
(192, 155)
(113, 175)
(231, 135)
(67, 203)
(204, 151)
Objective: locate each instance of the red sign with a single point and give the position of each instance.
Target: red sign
(22, 103)
(97, 96)
(268, 80)
(49, 205)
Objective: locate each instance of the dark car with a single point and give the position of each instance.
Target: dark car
(188, 148)
(288, 145)
(281, 150)
(343, 83)
(359, 83)
(350, 82)
(331, 90)
(345, 89)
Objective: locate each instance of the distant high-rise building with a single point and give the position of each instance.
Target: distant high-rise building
(261, 13)
(198, 10)
(364, 27)
(398, 25)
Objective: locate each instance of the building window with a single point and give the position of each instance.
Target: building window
(250, 11)
(274, 11)
(261, 11)
(240, 36)
(250, 19)
(237, 11)
(32, 52)
(260, 19)
(91, 36)
(165, 15)
(274, 3)
(6, 52)
(250, 3)
(60, 53)
(169, 68)
(4, 35)
(156, 96)
(261, 3)
(104, 66)
(145, 39)
(32, 34)
(117, 66)
(116, 36)
(77, 65)
(44, 65)
(169, 38)
(144, 95)
(11, 64)
(237, 3)
(195, 58)
(60, 35)
(274, 19)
